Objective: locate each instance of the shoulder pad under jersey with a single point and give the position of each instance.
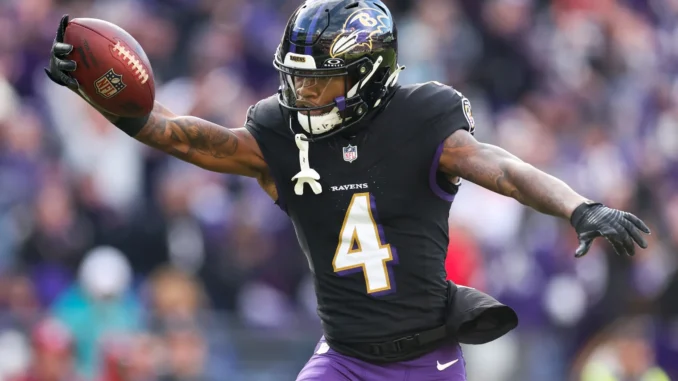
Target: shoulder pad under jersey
(267, 116)
(438, 105)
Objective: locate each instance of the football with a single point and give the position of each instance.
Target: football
(112, 68)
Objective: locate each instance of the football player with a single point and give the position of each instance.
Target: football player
(367, 170)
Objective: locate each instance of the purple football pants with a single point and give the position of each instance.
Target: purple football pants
(444, 364)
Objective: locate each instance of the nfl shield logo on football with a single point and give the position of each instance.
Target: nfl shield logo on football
(109, 84)
(350, 153)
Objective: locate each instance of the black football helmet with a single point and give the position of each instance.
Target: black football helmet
(353, 39)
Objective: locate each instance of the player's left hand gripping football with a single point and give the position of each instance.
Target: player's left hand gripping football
(58, 65)
(620, 228)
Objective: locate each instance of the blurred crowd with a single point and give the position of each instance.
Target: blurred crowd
(119, 263)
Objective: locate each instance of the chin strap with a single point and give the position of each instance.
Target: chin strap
(307, 175)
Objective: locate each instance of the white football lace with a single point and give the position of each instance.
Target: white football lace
(134, 63)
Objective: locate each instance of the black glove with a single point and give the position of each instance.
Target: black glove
(58, 66)
(592, 220)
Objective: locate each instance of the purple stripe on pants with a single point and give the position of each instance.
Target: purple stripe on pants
(444, 364)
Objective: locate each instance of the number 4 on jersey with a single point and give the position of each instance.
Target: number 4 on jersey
(361, 248)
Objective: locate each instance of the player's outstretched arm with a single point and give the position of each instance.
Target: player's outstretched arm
(497, 170)
(188, 138)
(200, 142)
(197, 141)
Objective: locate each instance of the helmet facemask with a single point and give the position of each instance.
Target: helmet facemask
(324, 120)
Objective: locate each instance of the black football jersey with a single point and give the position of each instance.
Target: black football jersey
(376, 237)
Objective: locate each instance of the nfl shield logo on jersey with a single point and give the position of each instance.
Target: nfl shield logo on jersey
(350, 153)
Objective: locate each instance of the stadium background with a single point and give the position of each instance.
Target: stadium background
(161, 271)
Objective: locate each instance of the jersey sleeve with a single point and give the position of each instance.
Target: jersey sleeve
(449, 111)
(267, 125)
(258, 121)
(441, 111)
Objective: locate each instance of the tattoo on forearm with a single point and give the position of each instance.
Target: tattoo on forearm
(495, 169)
(185, 137)
(207, 145)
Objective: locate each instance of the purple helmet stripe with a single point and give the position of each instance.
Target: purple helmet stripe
(293, 46)
(311, 29)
